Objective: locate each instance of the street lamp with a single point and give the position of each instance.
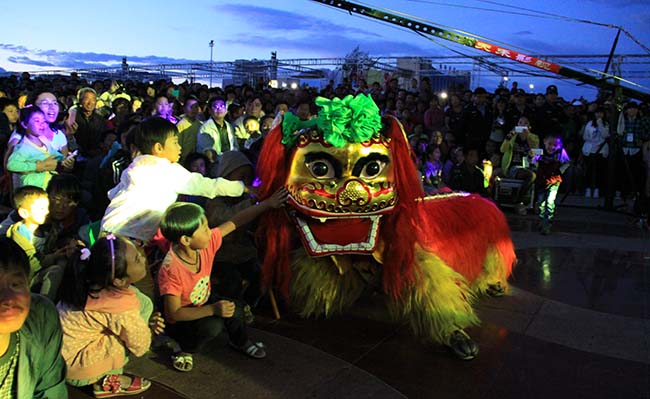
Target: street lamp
(531, 87)
(211, 44)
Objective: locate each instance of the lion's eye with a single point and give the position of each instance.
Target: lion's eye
(321, 169)
(372, 169)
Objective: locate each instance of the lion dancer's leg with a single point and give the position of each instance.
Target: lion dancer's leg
(497, 267)
(324, 286)
(439, 307)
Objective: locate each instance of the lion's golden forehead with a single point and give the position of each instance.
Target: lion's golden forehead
(347, 154)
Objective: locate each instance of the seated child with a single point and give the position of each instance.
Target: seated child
(197, 163)
(104, 317)
(46, 270)
(153, 181)
(66, 217)
(236, 265)
(30, 334)
(193, 314)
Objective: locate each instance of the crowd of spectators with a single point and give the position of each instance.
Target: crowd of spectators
(451, 136)
(65, 142)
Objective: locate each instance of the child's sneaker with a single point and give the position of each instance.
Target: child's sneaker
(587, 192)
(596, 193)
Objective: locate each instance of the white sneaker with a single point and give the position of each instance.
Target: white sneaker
(596, 194)
(587, 192)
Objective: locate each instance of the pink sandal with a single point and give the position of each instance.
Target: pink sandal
(111, 386)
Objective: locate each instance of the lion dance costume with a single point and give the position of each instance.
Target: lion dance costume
(358, 207)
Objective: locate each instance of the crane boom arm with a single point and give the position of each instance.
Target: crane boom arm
(469, 41)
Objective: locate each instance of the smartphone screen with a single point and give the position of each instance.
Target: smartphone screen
(72, 116)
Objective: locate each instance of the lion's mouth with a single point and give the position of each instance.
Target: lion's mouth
(324, 236)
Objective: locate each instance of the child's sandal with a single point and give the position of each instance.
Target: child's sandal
(182, 361)
(111, 386)
(252, 349)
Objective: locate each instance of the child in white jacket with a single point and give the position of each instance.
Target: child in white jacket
(154, 180)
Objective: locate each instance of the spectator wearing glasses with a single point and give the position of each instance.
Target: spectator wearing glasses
(216, 135)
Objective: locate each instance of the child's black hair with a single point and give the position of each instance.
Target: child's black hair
(193, 156)
(553, 135)
(88, 277)
(181, 219)
(13, 258)
(25, 195)
(65, 185)
(25, 115)
(153, 131)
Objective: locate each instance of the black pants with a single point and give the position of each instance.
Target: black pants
(229, 278)
(596, 168)
(632, 175)
(192, 335)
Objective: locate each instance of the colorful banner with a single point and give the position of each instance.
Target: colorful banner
(519, 57)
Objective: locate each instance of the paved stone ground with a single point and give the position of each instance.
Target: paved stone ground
(575, 325)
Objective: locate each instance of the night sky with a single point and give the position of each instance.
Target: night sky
(44, 34)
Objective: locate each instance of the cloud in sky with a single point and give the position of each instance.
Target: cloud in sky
(292, 31)
(28, 61)
(274, 20)
(14, 48)
(334, 46)
(70, 59)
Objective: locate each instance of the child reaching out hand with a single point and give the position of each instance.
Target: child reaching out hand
(104, 317)
(193, 314)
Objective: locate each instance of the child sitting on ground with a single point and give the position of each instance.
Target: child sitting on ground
(551, 164)
(30, 335)
(193, 314)
(66, 217)
(197, 163)
(104, 317)
(236, 268)
(46, 270)
(153, 181)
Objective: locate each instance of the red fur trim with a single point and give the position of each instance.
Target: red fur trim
(460, 230)
(272, 165)
(398, 231)
(275, 230)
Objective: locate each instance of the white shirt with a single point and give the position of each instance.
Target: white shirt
(595, 137)
(148, 187)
